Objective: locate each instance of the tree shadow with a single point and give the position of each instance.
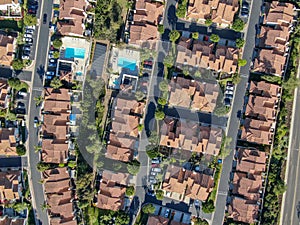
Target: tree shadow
(41, 71)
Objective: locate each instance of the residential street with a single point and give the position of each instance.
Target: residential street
(233, 122)
(290, 209)
(36, 90)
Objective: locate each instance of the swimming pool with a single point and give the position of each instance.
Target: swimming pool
(74, 53)
(127, 63)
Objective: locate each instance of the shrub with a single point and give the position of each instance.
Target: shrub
(152, 151)
(242, 62)
(238, 25)
(162, 101)
(164, 86)
(208, 207)
(21, 150)
(168, 61)
(43, 166)
(139, 95)
(239, 42)
(159, 195)
(55, 83)
(161, 28)
(195, 35)
(174, 35)
(17, 64)
(57, 43)
(181, 9)
(133, 167)
(159, 115)
(130, 191)
(148, 209)
(140, 127)
(214, 38)
(29, 20)
(208, 22)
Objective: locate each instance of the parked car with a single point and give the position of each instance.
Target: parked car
(153, 173)
(229, 96)
(152, 181)
(156, 169)
(230, 88)
(25, 57)
(22, 93)
(35, 122)
(50, 55)
(52, 60)
(155, 161)
(28, 40)
(20, 105)
(52, 64)
(197, 203)
(28, 35)
(50, 73)
(26, 52)
(26, 47)
(227, 102)
(45, 18)
(30, 27)
(229, 92)
(32, 11)
(20, 111)
(167, 213)
(239, 114)
(29, 31)
(49, 77)
(244, 12)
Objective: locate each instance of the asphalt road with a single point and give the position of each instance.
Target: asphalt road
(290, 212)
(37, 88)
(233, 122)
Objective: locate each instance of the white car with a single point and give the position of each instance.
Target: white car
(229, 88)
(28, 40)
(50, 73)
(229, 92)
(25, 57)
(27, 36)
(29, 31)
(24, 94)
(30, 27)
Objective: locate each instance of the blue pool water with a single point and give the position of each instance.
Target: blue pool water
(127, 63)
(74, 53)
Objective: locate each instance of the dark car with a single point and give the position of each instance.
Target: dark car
(227, 102)
(239, 114)
(21, 111)
(45, 18)
(21, 105)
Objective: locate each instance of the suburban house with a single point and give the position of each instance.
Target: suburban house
(279, 13)
(10, 9)
(55, 126)
(274, 36)
(7, 46)
(220, 12)
(190, 136)
(143, 27)
(126, 115)
(183, 185)
(205, 55)
(160, 220)
(10, 186)
(261, 110)
(8, 142)
(246, 186)
(71, 17)
(192, 94)
(8, 220)
(4, 89)
(59, 196)
(112, 191)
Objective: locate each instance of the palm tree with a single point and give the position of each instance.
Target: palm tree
(56, 83)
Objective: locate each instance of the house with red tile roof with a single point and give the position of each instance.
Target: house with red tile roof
(71, 17)
(159, 220)
(182, 184)
(8, 142)
(8, 220)
(10, 186)
(4, 89)
(143, 28)
(7, 46)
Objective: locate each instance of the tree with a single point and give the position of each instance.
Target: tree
(199, 221)
(57, 43)
(272, 79)
(208, 206)
(37, 148)
(168, 61)
(56, 54)
(162, 101)
(152, 151)
(38, 100)
(236, 78)
(133, 167)
(55, 83)
(21, 150)
(139, 96)
(72, 164)
(239, 42)
(214, 38)
(10, 116)
(161, 28)
(153, 138)
(164, 86)
(43, 166)
(238, 25)
(221, 110)
(225, 147)
(15, 83)
(242, 62)
(45, 206)
(29, 20)
(148, 209)
(140, 127)
(20, 206)
(17, 64)
(195, 35)
(122, 218)
(181, 9)
(159, 115)
(208, 22)
(130, 191)
(159, 195)
(197, 74)
(174, 35)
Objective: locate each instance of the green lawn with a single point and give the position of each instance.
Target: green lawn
(10, 24)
